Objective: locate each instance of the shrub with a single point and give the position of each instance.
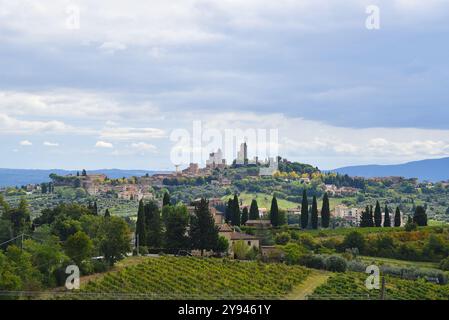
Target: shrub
(354, 240)
(240, 250)
(351, 254)
(282, 238)
(356, 266)
(410, 226)
(331, 243)
(294, 235)
(100, 266)
(293, 253)
(444, 264)
(222, 245)
(336, 264)
(313, 261)
(252, 253)
(307, 241)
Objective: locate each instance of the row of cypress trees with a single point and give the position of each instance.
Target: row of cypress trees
(237, 217)
(372, 218)
(325, 212)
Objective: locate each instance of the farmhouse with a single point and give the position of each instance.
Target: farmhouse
(233, 236)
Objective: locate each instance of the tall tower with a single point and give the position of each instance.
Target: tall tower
(242, 155)
(245, 153)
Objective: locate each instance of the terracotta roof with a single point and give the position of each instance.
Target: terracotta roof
(225, 228)
(242, 236)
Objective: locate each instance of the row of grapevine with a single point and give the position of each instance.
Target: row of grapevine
(351, 286)
(195, 278)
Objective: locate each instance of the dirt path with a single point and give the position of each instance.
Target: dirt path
(306, 288)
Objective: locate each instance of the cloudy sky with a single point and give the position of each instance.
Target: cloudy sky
(107, 88)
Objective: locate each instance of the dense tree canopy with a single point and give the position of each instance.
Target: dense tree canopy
(176, 220)
(420, 216)
(203, 232)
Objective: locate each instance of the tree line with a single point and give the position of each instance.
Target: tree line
(372, 217)
(35, 253)
(309, 215)
(173, 228)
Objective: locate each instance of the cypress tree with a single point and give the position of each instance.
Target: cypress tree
(387, 220)
(397, 218)
(314, 213)
(370, 217)
(236, 211)
(274, 212)
(229, 211)
(140, 225)
(420, 216)
(254, 210)
(378, 215)
(364, 221)
(203, 232)
(107, 214)
(325, 212)
(166, 199)
(95, 209)
(304, 210)
(245, 215)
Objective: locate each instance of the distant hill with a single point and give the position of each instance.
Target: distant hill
(425, 170)
(19, 177)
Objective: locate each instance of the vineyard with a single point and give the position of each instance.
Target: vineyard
(351, 286)
(195, 278)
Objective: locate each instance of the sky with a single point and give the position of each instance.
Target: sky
(107, 83)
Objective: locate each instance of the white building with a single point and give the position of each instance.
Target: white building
(215, 159)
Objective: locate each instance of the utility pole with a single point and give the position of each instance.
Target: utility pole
(382, 289)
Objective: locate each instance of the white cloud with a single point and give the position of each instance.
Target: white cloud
(12, 125)
(114, 24)
(143, 146)
(111, 46)
(50, 144)
(71, 104)
(124, 133)
(25, 143)
(103, 144)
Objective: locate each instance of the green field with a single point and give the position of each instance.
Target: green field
(195, 278)
(399, 263)
(351, 286)
(264, 200)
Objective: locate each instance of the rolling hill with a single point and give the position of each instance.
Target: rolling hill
(425, 170)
